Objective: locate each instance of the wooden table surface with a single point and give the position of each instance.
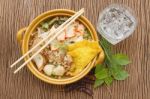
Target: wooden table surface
(16, 14)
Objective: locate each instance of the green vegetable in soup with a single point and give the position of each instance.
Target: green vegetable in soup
(45, 26)
(49, 23)
(62, 20)
(53, 21)
(87, 34)
(63, 46)
(53, 76)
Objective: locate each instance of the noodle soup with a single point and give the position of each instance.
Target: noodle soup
(57, 60)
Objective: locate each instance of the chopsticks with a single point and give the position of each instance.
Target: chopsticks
(56, 32)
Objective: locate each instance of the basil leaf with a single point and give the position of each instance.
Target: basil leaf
(98, 82)
(121, 75)
(98, 68)
(103, 73)
(115, 68)
(108, 80)
(121, 59)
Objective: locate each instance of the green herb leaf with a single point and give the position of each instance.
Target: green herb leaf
(107, 47)
(108, 80)
(103, 73)
(45, 25)
(115, 68)
(98, 82)
(87, 34)
(63, 47)
(112, 68)
(121, 75)
(98, 68)
(121, 59)
(53, 21)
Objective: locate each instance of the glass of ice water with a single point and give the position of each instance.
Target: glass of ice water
(116, 22)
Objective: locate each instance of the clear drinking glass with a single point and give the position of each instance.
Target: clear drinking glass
(116, 22)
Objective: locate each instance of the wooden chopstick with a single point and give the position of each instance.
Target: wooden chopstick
(57, 31)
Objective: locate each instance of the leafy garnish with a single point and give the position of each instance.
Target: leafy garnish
(121, 59)
(121, 75)
(49, 23)
(45, 25)
(53, 21)
(107, 47)
(103, 73)
(98, 82)
(108, 80)
(112, 68)
(87, 34)
(98, 68)
(63, 47)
